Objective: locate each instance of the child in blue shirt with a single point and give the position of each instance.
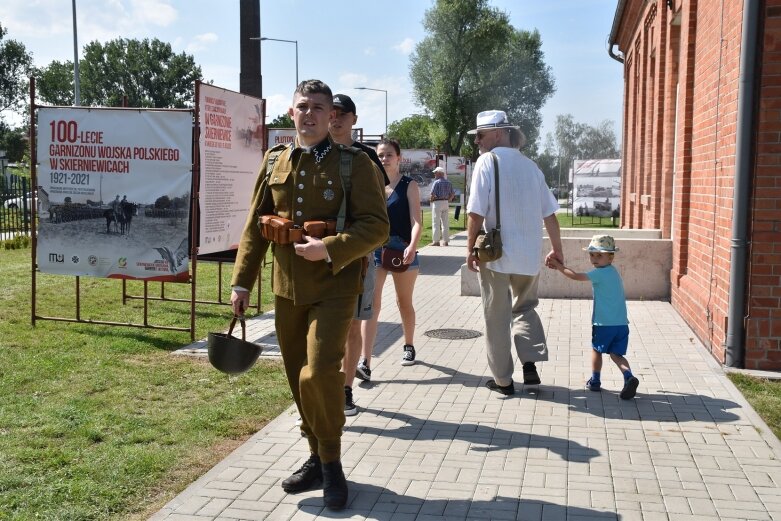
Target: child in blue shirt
(610, 329)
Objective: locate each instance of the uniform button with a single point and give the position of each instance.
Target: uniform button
(300, 199)
(298, 213)
(303, 172)
(330, 182)
(301, 186)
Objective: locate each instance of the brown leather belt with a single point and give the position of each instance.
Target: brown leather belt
(283, 231)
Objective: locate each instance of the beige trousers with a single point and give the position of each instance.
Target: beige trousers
(509, 303)
(440, 221)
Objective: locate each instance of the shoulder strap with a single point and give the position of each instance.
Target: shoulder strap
(345, 172)
(273, 154)
(496, 183)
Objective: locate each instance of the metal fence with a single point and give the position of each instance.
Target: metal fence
(15, 206)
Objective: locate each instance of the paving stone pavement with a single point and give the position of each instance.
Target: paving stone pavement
(430, 442)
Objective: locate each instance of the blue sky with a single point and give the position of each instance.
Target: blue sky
(345, 43)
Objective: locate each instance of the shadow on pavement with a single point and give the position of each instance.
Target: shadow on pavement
(661, 406)
(440, 265)
(486, 439)
(374, 502)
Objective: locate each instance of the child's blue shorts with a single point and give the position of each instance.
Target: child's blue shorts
(610, 339)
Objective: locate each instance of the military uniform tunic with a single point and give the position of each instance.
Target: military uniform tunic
(315, 301)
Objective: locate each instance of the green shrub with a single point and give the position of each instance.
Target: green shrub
(18, 242)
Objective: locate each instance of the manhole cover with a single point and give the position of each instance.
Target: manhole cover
(453, 334)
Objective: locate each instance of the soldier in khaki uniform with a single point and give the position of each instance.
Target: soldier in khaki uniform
(316, 282)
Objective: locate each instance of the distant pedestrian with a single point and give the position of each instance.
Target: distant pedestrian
(610, 329)
(441, 194)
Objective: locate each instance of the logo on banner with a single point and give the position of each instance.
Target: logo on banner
(122, 262)
(92, 260)
(56, 257)
(75, 259)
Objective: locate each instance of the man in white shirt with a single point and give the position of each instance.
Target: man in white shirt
(508, 285)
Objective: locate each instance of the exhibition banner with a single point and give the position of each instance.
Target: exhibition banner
(231, 152)
(419, 164)
(114, 192)
(596, 187)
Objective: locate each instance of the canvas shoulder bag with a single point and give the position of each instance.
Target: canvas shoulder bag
(488, 245)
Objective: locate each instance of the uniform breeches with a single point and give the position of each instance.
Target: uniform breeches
(509, 303)
(311, 340)
(440, 220)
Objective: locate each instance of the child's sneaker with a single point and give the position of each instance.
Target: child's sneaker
(630, 388)
(408, 358)
(594, 385)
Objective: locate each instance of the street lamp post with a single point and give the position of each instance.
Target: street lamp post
(263, 38)
(76, 87)
(386, 103)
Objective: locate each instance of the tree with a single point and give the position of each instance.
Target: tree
(54, 84)
(573, 140)
(16, 64)
(282, 121)
(163, 202)
(148, 72)
(599, 142)
(14, 142)
(417, 131)
(474, 60)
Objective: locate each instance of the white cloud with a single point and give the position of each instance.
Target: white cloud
(350, 80)
(155, 12)
(202, 41)
(276, 105)
(406, 46)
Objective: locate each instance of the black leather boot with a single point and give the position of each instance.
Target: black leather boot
(309, 475)
(334, 486)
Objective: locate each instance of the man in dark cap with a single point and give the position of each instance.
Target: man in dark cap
(341, 130)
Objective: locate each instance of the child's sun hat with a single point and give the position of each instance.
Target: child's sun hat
(604, 243)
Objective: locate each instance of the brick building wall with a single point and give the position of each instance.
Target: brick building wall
(763, 326)
(681, 70)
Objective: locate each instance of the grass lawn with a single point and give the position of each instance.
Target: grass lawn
(571, 221)
(102, 422)
(455, 226)
(764, 396)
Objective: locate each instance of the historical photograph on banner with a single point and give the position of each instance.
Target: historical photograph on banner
(114, 192)
(419, 164)
(231, 141)
(596, 188)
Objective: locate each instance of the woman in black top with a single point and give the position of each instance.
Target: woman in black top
(403, 201)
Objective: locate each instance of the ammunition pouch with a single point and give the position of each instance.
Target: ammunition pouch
(283, 231)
